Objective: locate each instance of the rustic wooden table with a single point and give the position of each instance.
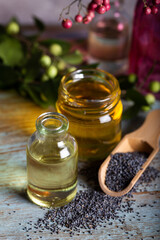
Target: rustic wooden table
(17, 123)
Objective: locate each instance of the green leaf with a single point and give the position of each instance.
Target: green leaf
(50, 89)
(11, 52)
(34, 93)
(2, 29)
(124, 83)
(33, 38)
(135, 96)
(131, 112)
(42, 93)
(66, 46)
(39, 24)
(87, 66)
(8, 77)
(32, 67)
(74, 58)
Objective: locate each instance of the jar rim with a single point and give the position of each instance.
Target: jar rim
(109, 98)
(52, 123)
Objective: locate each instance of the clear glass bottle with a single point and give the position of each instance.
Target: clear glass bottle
(90, 98)
(108, 39)
(51, 162)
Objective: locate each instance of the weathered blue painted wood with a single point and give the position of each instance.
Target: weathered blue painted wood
(17, 117)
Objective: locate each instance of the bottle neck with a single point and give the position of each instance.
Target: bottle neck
(52, 124)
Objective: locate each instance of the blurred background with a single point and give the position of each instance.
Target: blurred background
(112, 41)
(47, 10)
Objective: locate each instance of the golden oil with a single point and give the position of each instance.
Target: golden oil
(52, 162)
(90, 99)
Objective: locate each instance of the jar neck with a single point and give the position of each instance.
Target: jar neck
(52, 124)
(106, 86)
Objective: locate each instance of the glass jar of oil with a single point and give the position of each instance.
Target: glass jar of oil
(90, 99)
(51, 162)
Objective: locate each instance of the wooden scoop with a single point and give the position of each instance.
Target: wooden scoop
(144, 139)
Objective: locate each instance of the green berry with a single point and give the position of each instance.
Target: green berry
(150, 98)
(132, 78)
(52, 71)
(154, 86)
(56, 49)
(61, 65)
(45, 61)
(77, 52)
(45, 78)
(71, 69)
(13, 28)
(145, 108)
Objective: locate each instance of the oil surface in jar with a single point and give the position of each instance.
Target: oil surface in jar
(88, 89)
(51, 181)
(97, 131)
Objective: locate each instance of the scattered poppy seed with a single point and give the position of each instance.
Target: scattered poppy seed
(91, 207)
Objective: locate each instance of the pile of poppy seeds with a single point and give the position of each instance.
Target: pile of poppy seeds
(91, 207)
(128, 165)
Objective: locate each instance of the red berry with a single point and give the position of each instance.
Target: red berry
(98, 2)
(92, 6)
(101, 9)
(154, 10)
(106, 2)
(67, 23)
(91, 13)
(108, 6)
(87, 19)
(156, 1)
(78, 18)
(147, 10)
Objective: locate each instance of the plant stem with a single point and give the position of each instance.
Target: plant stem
(145, 3)
(80, 5)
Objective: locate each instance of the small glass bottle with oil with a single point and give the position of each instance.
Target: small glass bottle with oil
(90, 99)
(52, 162)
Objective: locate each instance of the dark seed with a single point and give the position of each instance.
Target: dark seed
(122, 168)
(91, 207)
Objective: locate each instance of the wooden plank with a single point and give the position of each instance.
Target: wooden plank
(17, 123)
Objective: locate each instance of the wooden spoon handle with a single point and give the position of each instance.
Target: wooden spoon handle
(150, 130)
